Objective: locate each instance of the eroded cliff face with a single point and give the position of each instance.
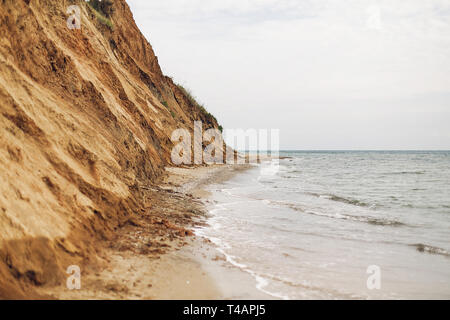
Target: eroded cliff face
(85, 119)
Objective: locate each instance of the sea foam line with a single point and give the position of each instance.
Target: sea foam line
(221, 246)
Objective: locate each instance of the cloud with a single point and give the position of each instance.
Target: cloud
(350, 59)
(249, 9)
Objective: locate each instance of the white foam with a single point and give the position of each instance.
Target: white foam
(222, 247)
(261, 282)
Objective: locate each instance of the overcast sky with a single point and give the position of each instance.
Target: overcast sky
(330, 74)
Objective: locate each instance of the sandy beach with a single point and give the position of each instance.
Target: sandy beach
(159, 258)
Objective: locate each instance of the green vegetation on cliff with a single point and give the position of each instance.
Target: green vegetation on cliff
(192, 99)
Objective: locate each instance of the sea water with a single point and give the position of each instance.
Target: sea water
(317, 226)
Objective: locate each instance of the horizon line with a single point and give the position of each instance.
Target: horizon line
(351, 150)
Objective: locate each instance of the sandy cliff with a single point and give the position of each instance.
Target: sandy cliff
(85, 119)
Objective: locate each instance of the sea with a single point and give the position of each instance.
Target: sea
(338, 224)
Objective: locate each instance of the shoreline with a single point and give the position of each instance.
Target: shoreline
(230, 281)
(162, 259)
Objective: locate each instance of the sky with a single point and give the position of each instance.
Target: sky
(330, 74)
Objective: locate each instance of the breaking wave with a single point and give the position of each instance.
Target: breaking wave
(336, 198)
(430, 249)
(365, 219)
(406, 172)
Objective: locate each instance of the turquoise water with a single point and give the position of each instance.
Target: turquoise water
(311, 229)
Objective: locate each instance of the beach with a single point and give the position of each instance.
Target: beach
(238, 232)
(164, 259)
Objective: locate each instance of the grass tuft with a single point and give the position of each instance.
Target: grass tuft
(100, 15)
(193, 101)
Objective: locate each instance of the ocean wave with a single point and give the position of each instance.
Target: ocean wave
(336, 198)
(354, 202)
(289, 177)
(430, 249)
(365, 219)
(406, 172)
(305, 285)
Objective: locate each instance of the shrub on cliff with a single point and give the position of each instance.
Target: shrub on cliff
(103, 6)
(194, 102)
(103, 11)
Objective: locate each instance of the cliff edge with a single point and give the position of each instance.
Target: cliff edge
(86, 117)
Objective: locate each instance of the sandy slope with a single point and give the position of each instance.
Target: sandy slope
(154, 256)
(84, 133)
(159, 262)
